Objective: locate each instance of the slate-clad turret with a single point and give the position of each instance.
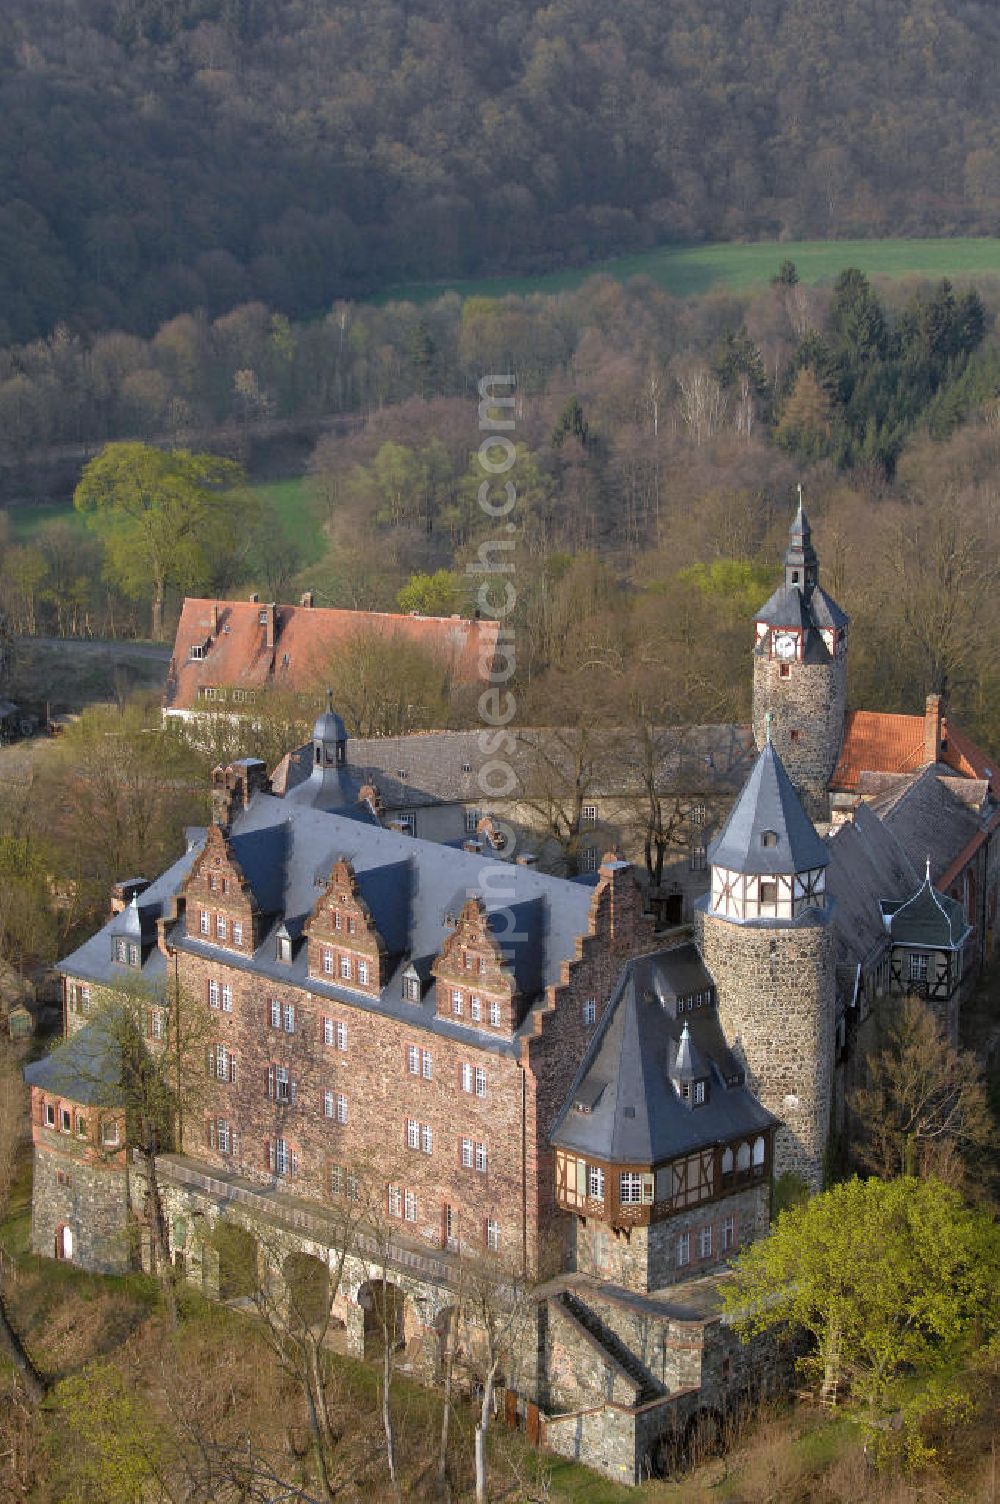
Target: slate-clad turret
(766, 940)
(800, 671)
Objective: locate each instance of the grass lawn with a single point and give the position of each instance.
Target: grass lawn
(684, 270)
(294, 502)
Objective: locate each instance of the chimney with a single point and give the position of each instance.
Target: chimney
(932, 729)
(270, 625)
(307, 599)
(255, 597)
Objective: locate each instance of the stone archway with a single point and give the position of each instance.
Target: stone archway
(239, 1261)
(307, 1286)
(384, 1307)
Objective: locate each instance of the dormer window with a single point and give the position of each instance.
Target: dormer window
(700, 1093)
(284, 946)
(196, 650)
(769, 838)
(262, 618)
(768, 891)
(411, 989)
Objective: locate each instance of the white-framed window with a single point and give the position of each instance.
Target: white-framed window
(156, 1023)
(363, 973)
(413, 1060)
(327, 961)
(203, 922)
(395, 1201)
(410, 1206)
(699, 1093)
(345, 968)
(456, 1003)
(471, 821)
(466, 1153)
(426, 1139)
(196, 650)
(328, 1031)
(340, 1033)
(588, 814)
(328, 1104)
(630, 1188)
(337, 1180)
(475, 1009)
(590, 1012)
(466, 1076)
(411, 989)
(223, 1136)
(341, 1108)
(450, 1220)
(221, 927)
(759, 1151)
(918, 968)
(222, 1059)
(121, 950)
(495, 1013)
(480, 1081)
(698, 859)
(493, 1234)
(729, 1232)
(280, 1084)
(109, 1133)
(412, 1133)
(65, 1120)
(288, 1018)
(427, 1065)
(282, 1158)
(275, 1013)
(588, 859)
(482, 1158)
(683, 1250)
(237, 932)
(705, 1242)
(50, 1114)
(81, 1125)
(353, 1186)
(213, 993)
(595, 1182)
(284, 947)
(227, 998)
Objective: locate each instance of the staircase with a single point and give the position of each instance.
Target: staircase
(611, 1344)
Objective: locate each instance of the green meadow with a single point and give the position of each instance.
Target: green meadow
(684, 270)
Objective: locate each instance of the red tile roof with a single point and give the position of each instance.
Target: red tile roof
(231, 639)
(879, 742)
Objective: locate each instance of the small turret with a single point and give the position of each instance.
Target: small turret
(329, 738)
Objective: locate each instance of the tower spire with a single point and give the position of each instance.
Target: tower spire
(801, 563)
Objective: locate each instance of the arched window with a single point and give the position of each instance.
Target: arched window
(743, 1158)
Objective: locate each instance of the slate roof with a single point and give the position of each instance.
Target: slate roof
(84, 1068)
(788, 607)
(929, 919)
(637, 1116)
(768, 803)
(867, 864)
(306, 638)
(92, 962)
(433, 767)
(927, 820)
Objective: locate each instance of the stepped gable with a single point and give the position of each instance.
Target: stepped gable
(250, 645)
(414, 890)
(928, 919)
(622, 1106)
(768, 805)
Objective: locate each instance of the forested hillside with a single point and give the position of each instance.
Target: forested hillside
(166, 155)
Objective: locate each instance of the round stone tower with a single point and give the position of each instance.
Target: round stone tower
(765, 938)
(800, 672)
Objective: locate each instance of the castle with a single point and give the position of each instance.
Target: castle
(534, 1071)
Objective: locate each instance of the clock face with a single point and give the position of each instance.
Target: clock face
(784, 645)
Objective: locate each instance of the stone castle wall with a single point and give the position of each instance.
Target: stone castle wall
(777, 1004)
(645, 1258)
(92, 1200)
(807, 729)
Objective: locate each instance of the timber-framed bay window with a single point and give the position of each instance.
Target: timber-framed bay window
(629, 1195)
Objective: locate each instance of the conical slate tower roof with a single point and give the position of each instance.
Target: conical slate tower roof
(768, 831)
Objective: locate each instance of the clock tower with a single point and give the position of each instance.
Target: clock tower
(800, 672)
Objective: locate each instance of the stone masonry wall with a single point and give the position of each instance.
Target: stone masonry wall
(91, 1200)
(809, 707)
(776, 991)
(645, 1258)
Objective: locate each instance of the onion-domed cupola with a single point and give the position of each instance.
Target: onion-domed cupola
(329, 738)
